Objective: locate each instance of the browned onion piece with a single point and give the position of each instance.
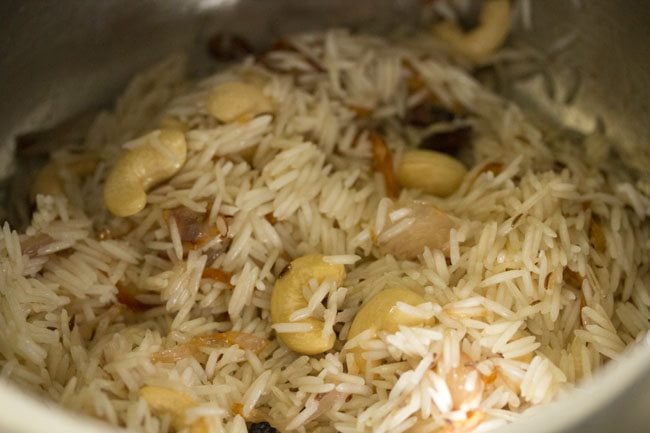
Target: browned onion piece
(244, 340)
(193, 227)
(326, 402)
(32, 244)
(127, 298)
(384, 163)
(424, 226)
(465, 384)
(217, 275)
(189, 223)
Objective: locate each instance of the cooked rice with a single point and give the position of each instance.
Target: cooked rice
(525, 304)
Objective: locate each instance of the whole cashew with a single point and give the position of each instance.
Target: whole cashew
(288, 297)
(381, 313)
(161, 154)
(166, 401)
(171, 122)
(433, 172)
(236, 100)
(48, 180)
(479, 43)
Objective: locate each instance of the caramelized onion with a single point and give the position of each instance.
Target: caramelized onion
(384, 163)
(271, 218)
(597, 235)
(217, 275)
(465, 384)
(424, 226)
(189, 223)
(326, 401)
(31, 245)
(125, 297)
(244, 340)
(193, 227)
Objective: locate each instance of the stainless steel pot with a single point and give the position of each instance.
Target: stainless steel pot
(62, 58)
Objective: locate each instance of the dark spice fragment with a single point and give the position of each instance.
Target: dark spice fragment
(228, 46)
(426, 114)
(261, 427)
(429, 113)
(449, 142)
(572, 278)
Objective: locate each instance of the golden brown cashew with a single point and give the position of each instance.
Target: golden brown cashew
(166, 401)
(171, 122)
(48, 180)
(479, 43)
(236, 100)
(160, 155)
(433, 172)
(381, 313)
(287, 297)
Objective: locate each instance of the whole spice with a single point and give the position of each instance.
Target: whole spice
(261, 427)
(228, 47)
(449, 142)
(427, 113)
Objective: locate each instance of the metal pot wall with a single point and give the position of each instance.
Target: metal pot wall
(61, 58)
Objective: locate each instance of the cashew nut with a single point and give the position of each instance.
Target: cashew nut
(381, 313)
(158, 157)
(236, 100)
(479, 43)
(166, 401)
(287, 297)
(171, 122)
(432, 172)
(48, 180)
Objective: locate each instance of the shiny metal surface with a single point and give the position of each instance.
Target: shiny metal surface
(61, 58)
(608, 51)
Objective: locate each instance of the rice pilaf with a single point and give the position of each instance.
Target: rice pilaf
(526, 277)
